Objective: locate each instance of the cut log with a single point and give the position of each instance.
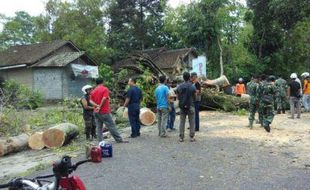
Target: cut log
(35, 141)
(147, 117)
(60, 135)
(122, 112)
(13, 144)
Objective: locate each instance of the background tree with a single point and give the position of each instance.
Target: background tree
(136, 25)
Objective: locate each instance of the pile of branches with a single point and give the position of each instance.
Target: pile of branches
(214, 99)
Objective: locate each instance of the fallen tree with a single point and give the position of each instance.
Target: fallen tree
(35, 141)
(213, 99)
(60, 135)
(13, 144)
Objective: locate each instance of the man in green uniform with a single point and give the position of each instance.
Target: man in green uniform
(266, 92)
(252, 87)
(281, 88)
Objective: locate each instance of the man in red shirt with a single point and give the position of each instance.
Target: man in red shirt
(100, 98)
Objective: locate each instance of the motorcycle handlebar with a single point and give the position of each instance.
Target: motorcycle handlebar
(2, 186)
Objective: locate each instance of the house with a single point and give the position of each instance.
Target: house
(47, 67)
(171, 62)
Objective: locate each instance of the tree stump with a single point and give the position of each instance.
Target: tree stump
(13, 144)
(60, 135)
(35, 141)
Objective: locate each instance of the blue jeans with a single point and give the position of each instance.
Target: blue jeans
(133, 114)
(171, 117)
(197, 106)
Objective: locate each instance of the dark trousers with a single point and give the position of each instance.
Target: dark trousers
(90, 126)
(171, 117)
(197, 106)
(133, 114)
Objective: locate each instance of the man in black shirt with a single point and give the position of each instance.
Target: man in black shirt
(294, 94)
(133, 99)
(197, 100)
(186, 95)
(90, 126)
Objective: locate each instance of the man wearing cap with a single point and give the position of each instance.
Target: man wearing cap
(294, 94)
(90, 126)
(240, 87)
(306, 91)
(100, 98)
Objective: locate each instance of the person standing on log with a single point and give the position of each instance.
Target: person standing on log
(162, 95)
(133, 99)
(197, 101)
(88, 109)
(266, 92)
(172, 113)
(252, 87)
(100, 98)
(186, 95)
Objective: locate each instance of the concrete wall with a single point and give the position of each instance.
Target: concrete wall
(49, 81)
(21, 75)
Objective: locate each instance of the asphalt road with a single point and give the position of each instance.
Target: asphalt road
(150, 162)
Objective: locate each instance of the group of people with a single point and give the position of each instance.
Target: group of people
(268, 93)
(97, 111)
(189, 96)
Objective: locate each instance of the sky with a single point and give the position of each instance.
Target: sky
(35, 7)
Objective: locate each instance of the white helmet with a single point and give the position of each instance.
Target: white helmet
(240, 80)
(85, 88)
(293, 76)
(305, 74)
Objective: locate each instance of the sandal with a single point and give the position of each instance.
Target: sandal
(192, 140)
(181, 140)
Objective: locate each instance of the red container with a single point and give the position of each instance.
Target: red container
(95, 154)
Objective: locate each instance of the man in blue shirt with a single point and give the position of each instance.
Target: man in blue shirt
(133, 99)
(162, 94)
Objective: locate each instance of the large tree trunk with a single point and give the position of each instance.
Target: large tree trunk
(35, 141)
(60, 135)
(147, 117)
(13, 144)
(221, 57)
(212, 99)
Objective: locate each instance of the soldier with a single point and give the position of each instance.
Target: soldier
(262, 80)
(266, 92)
(281, 88)
(252, 87)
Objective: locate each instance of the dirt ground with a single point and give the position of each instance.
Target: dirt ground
(224, 139)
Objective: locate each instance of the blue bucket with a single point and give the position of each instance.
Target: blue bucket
(106, 149)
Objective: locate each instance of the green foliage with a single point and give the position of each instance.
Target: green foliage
(20, 29)
(146, 84)
(136, 25)
(19, 96)
(107, 74)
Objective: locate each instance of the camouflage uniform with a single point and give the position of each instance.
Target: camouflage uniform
(252, 87)
(280, 85)
(266, 92)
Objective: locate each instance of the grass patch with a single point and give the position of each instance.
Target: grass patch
(241, 112)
